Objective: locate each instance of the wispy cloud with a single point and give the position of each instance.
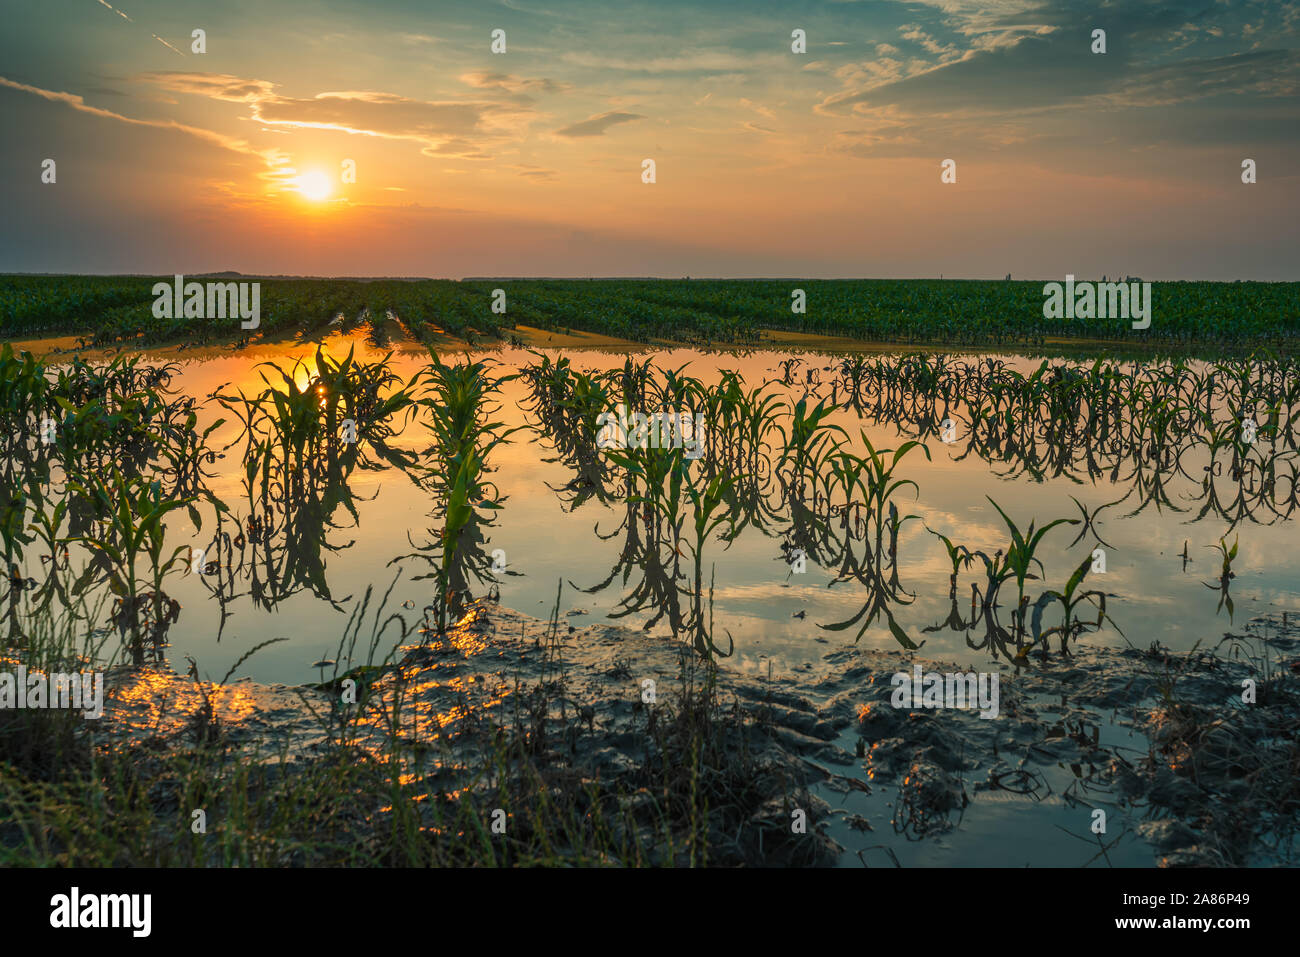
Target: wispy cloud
(75, 102)
(218, 86)
(698, 61)
(442, 127)
(508, 83)
(533, 172)
(597, 125)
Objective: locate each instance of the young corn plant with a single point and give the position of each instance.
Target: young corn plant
(712, 507)
(458, 400)
(1021, 559)
(1069, 599)
(880, 481)
(807, 443)
(959, 555)
(14, 536)
(132, 536)
(47, 526)
(1226, 574)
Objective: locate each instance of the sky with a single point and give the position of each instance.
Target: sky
(767, 161)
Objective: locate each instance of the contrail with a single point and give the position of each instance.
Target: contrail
(161, 40)
(118, 12)
(129, 20)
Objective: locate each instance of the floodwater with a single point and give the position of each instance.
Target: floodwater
(773, 615)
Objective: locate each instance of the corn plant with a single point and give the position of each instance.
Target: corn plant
(1021, 558)
(133, 534)
(458, 403)
(1226, 575)
(1069, 599)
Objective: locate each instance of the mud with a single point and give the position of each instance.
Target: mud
(1185, 771)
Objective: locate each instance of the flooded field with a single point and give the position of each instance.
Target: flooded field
(1150, 498)
(495, 541)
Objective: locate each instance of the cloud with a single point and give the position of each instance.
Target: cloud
(597, 125)
(443, 127)
(972, 17)
(508, 83)
(698, 61)
(533, 172)
(381, 114)
(1268, 73)
(1001, 73)
(1043, 71)
(75, 102)
(217, 86)
(1036, 71)
(913, 32)
(456, 146)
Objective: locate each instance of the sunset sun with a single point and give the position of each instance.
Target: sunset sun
(313, 185)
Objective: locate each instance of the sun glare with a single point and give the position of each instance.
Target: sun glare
(314, 185)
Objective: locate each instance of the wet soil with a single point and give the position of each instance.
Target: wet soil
(815, 765)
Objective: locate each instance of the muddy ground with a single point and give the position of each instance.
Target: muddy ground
(1185, 771)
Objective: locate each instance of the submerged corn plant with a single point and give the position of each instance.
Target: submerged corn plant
(867, 540)
(1069, 598)
(458, 402)
(713, 508)
(14, 535)
(129, 549)
(1020, 559)
(1226, 574)
(808, 441)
